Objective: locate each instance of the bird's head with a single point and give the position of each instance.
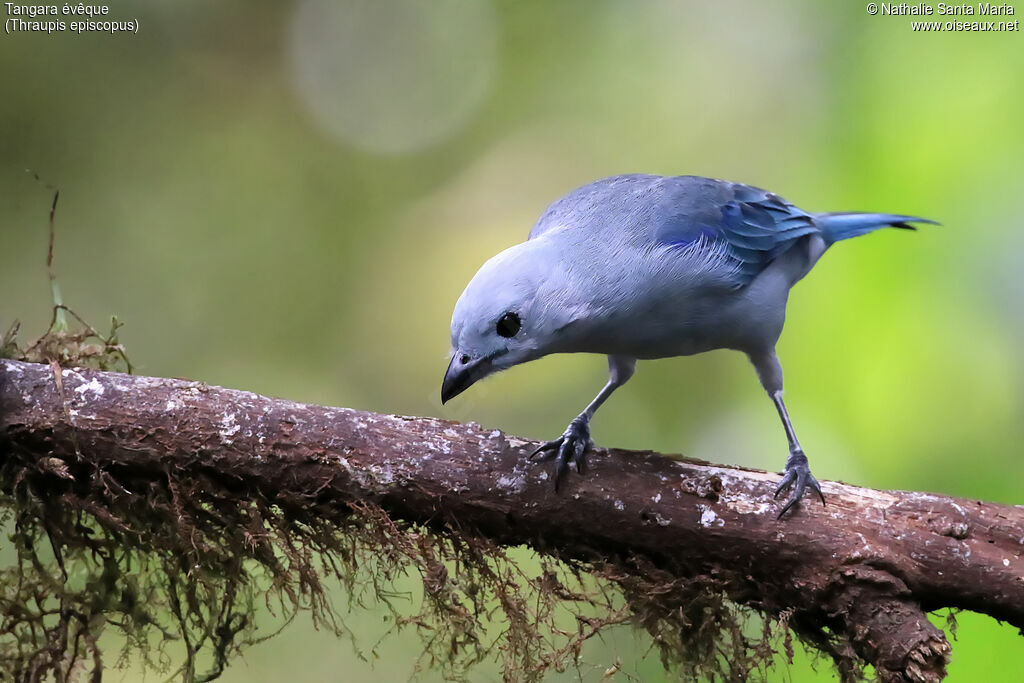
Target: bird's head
(507, 315)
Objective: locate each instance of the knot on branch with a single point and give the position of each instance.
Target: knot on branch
(880, 619)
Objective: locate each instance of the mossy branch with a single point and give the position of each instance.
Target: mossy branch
(182, 505)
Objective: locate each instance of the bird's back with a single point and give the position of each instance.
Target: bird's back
(633, 203)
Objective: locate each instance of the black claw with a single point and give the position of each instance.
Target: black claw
(568, 449)
(786, 482)
(546, 446)
(817, 489)
(562, 462)
(798, 475)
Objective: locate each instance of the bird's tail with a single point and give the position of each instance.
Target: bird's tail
(847, 224)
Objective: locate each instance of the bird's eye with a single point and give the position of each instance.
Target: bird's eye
(509, 324)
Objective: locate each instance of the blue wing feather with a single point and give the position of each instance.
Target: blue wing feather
(754, 225)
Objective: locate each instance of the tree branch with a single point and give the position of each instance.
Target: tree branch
(867, 566)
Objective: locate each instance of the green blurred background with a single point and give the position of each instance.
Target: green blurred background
(288, 197)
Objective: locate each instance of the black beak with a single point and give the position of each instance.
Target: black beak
(462, 373)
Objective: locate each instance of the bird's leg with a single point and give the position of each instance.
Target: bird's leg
(798, 472)
(572, 446)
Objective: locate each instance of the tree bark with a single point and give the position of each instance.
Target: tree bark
(869, 564)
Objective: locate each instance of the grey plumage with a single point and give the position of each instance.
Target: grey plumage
(644, 266)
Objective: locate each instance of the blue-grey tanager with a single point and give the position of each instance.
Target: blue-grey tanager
(645, 266)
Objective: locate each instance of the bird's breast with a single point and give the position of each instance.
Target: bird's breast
(667, 326)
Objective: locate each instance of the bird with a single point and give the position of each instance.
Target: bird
(640, 267)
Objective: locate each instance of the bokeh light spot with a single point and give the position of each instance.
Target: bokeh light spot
(393, 76)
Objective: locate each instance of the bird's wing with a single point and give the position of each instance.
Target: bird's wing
(748, 225)
(732, 229)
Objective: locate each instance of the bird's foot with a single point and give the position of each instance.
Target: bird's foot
(798, 475)
(570, 448)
